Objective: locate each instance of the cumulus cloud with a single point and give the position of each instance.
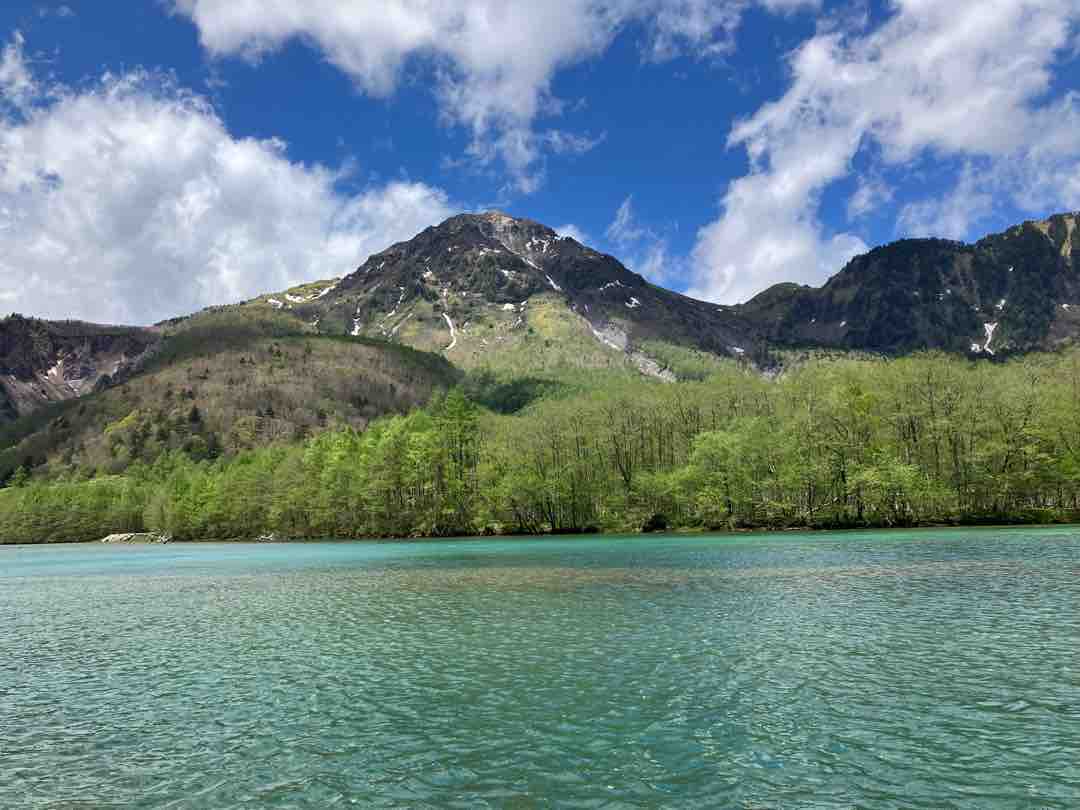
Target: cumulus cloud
(129, 201)
(967, 79)
(493, 61)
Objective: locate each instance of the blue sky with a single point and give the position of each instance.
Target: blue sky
(160, 156)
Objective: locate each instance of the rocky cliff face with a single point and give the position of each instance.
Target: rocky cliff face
(43, 362)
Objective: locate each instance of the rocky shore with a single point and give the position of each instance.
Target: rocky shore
(137, 538)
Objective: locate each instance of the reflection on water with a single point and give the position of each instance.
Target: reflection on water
(930, 669)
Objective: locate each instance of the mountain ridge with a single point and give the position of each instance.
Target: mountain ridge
(1010, 292)
(493, 291)
(1014, 291)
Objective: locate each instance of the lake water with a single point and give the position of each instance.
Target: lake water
(880, 670)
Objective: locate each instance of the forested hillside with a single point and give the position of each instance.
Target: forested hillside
(926, 439)
(221, 383)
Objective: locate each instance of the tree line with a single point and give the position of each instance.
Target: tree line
(834, 443)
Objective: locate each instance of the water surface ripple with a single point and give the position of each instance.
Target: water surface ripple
(926, 669)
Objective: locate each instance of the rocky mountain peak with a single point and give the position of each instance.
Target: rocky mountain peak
(482, 282)
(490, 254)
(521, 236)
(489, 231)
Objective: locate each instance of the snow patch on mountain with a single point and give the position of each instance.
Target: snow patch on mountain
(989, 328)
(453, 333)
(610, 336)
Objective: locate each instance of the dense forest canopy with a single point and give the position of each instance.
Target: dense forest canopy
(841, 442)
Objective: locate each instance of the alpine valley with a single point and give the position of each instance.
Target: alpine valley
(499, 330)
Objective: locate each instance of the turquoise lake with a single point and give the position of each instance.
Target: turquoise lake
(923, 669)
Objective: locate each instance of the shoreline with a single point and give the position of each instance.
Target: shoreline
(613, 535)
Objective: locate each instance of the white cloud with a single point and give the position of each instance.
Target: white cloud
(656, 263)
(63, 12)
(871, 193)
(494, 60)
(17, 86)
(624, 229)
(963, 79)
(707, 25)
(951, 216)
(129, 201)
(574, 232)
(697, 21)
(567, 143)
(645, 252)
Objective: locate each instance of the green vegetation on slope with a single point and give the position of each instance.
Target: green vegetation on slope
(833, 443)
(221, 383)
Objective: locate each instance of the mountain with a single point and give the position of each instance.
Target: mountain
(491, 290)
(1011, 292)
(495, 292)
